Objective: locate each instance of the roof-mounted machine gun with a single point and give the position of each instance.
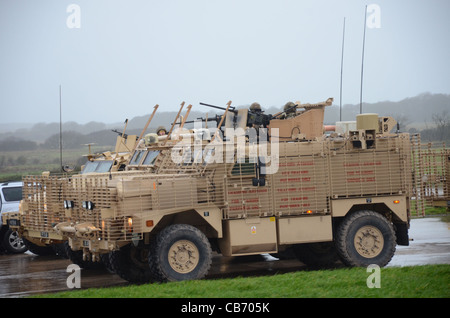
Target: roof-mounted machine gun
(295, 124)
(242, 118)
(215, 118)
(296, 121)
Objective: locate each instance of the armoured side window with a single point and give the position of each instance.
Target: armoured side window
(243, 169)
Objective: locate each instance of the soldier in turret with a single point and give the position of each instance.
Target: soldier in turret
(161, 131)
(289, 111)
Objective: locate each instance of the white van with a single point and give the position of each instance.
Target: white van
(10, 196)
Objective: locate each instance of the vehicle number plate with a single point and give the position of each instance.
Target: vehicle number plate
(44, 234)
(14, 222)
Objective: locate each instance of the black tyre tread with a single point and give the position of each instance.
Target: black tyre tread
(307, 254)
(60, 250)
(121, 264)
(341, 236)
(165, 236)
(38, 250)
(8, 246)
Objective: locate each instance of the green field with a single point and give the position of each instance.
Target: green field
(16, 164)
(395, 282)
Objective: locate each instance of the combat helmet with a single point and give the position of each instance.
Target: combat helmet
(161, 128)
(256, 107)
(289, 108)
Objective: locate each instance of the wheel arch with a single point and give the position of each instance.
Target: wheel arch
(207, 220)
(384, 206)
(393, 208)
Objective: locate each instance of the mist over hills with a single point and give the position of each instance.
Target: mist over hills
(414, 112)
(411, 112)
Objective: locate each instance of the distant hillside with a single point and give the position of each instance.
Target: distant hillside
(411, 112)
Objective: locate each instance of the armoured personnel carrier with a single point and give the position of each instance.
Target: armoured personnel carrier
(32, 225)
(242, 192)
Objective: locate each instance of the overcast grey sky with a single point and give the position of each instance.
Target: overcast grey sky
(127, 56)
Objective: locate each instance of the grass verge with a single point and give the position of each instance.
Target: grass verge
(395, 282)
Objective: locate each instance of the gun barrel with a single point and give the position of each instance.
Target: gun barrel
(119, 133)
(203, 119)
(231, 109)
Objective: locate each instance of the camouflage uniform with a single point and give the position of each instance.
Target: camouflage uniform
(289, 111)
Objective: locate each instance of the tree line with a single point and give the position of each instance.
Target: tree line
(76, 140)
(70, 140)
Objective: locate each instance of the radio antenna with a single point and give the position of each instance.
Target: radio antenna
(342, 70)
(362, 61)
(60, 131)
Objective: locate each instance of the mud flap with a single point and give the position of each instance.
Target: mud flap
(401, 232)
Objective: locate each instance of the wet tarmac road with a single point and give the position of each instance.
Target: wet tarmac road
(27, 274)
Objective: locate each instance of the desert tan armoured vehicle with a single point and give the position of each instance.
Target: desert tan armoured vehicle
(182, 197)
(43, 240)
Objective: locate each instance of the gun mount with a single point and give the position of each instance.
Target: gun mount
(306, 124)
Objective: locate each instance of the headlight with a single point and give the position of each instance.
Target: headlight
(88, 205)
(68, 204)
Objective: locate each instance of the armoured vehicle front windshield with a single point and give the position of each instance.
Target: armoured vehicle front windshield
(98, 166)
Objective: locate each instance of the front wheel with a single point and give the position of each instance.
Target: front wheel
(180, 252)
(364, 238)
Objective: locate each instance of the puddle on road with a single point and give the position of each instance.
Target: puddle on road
(430, 245)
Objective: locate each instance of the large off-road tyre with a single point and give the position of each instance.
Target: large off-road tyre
(60, 250)
(131, 264)
(38, 250)
(13, 243)
(105, 259)
(316, 255)
(180, 252)
(77, 258)
(364, 238)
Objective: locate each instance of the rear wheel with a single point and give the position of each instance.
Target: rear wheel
(180, 252)
(364, 238)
